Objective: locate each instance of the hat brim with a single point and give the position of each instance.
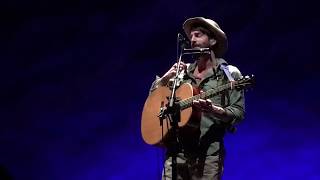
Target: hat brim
(222, 43)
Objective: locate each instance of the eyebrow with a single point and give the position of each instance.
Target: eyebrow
(196, 32)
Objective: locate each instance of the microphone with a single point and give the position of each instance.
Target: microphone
(197, 50)
(184, 41)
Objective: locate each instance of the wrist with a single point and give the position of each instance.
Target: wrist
(221, 111)
(218, 110)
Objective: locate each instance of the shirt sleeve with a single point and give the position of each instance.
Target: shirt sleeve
(155, 84)
(235, 111)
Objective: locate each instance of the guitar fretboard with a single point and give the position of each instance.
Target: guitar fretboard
(185, 103)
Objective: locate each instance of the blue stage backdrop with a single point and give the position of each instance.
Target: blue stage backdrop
(75, 75)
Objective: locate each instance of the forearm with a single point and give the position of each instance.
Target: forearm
(235, 112)
(159, 81)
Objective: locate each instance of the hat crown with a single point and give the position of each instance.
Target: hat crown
(213, 23)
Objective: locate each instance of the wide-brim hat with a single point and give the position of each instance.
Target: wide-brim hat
(222, 42)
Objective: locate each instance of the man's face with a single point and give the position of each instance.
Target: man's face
(199, 39)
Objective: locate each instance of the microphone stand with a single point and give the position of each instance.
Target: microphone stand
(173, 110)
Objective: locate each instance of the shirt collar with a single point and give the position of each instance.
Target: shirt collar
(193, 65)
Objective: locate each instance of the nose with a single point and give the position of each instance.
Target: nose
(193, 41)
(192, 38)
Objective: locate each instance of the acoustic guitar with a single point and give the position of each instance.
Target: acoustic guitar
(153, 129)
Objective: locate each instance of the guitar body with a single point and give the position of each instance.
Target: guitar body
(151, 129)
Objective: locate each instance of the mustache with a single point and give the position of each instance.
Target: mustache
(195, 45)
(198, 46)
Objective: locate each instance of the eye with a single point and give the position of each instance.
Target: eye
(198, 34)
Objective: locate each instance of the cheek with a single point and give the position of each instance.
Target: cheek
(205, 42)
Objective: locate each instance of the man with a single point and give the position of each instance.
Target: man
(201, 154)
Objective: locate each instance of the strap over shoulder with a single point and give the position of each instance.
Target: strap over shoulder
(231, 72)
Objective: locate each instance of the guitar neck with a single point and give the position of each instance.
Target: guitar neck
(186, 103)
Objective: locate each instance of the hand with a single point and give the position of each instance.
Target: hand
(208, 106)
(172, 72)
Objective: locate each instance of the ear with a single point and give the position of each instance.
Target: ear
(212, 42)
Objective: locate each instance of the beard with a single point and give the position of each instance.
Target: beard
(198, 46)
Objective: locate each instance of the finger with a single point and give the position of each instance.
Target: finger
(215, 108)
(209, 102)
(202, 102)
(196, 104)
(172, 68)
(184, 65)
(181, 67)
(173, 72)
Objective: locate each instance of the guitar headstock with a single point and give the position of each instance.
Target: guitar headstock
(245, 82)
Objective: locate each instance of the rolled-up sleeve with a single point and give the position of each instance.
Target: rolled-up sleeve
(235, 111)
(155, 84)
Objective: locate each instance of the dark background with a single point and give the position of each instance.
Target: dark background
(75, 74)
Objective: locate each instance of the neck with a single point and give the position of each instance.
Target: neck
(206, 62)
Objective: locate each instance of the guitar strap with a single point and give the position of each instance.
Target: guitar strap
(227, 72)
